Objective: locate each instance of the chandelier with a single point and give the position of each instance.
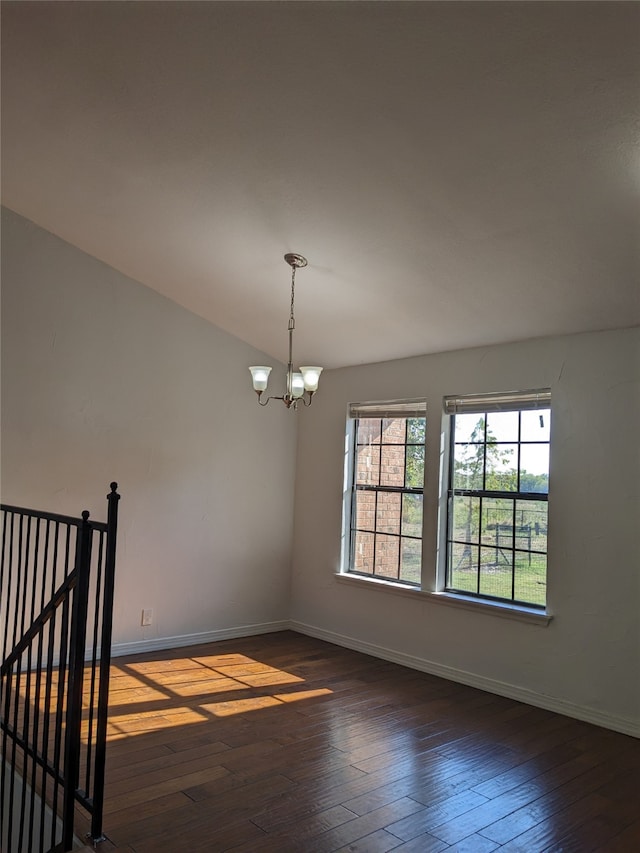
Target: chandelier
(302, 384)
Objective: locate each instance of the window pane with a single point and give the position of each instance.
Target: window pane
(392, 465)
(531, 578)
(369, 430)
(531, 525)
(368, 465)
(410, 568)
(502, 426)
(535, 425)
(463, 565)
(534, 468)
(388, 512)
(412, 515)
(415, 466)
(468, 466)
(469, 428)
(393, 430)
(464, 518)
(496, 569)
(497, 522)
(387, 556)
(416, 430)
(502, 461)
(365, 510)
(363, 552)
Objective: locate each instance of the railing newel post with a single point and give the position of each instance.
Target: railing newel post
(105, 665)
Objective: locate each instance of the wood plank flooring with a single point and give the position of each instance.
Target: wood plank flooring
(286, 744)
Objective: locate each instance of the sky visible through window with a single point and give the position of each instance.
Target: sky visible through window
(503, 427)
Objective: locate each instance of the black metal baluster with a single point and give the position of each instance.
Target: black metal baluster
(58, 746)
(21, 582)
(56, 721)
(5, 516)
(23, 564)
(47, 719)
(7, 796)
(77, 645)
(34, 740)
(94, 660)
(13, 747)
(67, 551)
(4, 689)
(27, 685)
(25, 753)
(54, 574)
(12, 587)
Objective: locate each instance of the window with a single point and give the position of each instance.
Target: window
(497, 496)
(385, 483)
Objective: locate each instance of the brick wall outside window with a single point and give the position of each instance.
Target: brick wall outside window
(380, 544)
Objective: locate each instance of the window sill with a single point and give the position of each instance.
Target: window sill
(494, 608)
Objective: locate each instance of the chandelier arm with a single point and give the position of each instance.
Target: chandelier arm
(304, 400)
(286, 399)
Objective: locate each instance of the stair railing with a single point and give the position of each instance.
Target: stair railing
(56, 604)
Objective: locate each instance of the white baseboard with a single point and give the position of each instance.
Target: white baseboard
(511, 691)
(160, 643)
(624, 725)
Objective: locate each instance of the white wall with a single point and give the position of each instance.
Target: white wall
(586, 662)
(103, 379)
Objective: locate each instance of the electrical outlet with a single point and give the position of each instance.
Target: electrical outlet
(147, 618)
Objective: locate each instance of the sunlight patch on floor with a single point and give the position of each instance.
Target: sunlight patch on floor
(126, 726)
(257, 703)
(179, 691)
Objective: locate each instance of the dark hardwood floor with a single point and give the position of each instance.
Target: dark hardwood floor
(285, 743)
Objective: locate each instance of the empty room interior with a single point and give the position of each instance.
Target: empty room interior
(352, 598)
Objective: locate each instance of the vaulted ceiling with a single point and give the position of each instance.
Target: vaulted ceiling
(456, 173)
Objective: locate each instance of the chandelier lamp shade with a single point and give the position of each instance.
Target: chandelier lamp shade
(301, 384)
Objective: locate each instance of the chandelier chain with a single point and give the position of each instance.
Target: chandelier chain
(292, 320)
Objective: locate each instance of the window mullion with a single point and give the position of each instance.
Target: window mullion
(405, 450)
(450, 501)
(518, 489)
(519, 452)
(375, 532)
(493, 493)
(513, 549)
(354, 495)
(484, 456)
(478, 568)
(480, 531)
(484, 486)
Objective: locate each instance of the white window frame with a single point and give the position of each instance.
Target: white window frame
(411, 408)
(539, 398)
